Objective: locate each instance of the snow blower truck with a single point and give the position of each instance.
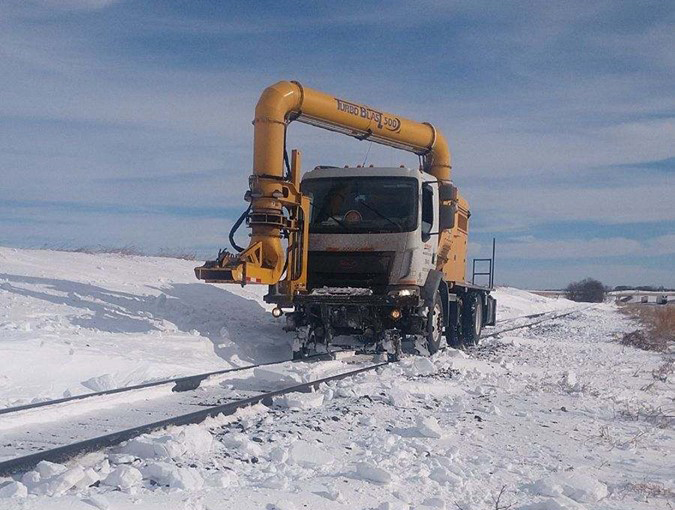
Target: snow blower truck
(375, 255)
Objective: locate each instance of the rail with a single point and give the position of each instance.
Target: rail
(65, 452)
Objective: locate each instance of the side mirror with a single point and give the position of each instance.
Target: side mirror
(446, 217)
(447, 192)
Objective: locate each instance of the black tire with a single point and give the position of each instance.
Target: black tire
(472, 319)
(434, 334)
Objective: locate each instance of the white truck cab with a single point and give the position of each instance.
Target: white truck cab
(374, 270)
(382, 217)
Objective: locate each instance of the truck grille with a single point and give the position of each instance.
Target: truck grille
(348, 269)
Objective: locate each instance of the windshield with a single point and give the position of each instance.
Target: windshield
(362, 204)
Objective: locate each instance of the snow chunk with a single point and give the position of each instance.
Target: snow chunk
(124, 477)
(546, 487)
(399, 397)
(300, 400)
(242, 444)
(282, 504)
(101, 383)
(221, 479)
(443, 477)
(98, 501)
(196, 440)
(30, 479)
(419, 366)
(172, 476)
(48, 469)
(559, 503)
(579, 487)
(584, 489)
(278, 455)
(89, 478)
(367, 471)
(395, 505)
(456, 353)
(13, 489)
(434, 503)
(309, 456)
(569, 382)
(276, 374)
(191, 440)
(60, 483)
(146, 447)
(277, 482)
(331, 494)
(429, 427)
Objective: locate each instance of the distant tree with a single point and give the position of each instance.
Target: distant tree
(586, 291)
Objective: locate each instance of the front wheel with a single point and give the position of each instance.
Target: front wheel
(472, 319)
(435, 324)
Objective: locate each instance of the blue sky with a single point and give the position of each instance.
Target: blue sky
(129, 123)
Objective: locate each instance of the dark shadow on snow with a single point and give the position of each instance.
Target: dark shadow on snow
(235, 325)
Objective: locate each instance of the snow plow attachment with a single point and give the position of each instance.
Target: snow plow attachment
(246, 267)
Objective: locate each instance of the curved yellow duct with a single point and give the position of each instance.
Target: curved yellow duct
(264, 261)
(286, 101)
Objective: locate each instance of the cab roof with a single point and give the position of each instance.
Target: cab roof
(359, 171)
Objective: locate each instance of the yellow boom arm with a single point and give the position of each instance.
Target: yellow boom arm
(278, 209)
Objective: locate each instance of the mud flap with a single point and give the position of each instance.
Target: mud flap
(430, 286)
(491, 311)
(435, 282)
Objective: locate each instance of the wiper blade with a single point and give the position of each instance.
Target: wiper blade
(364, 203)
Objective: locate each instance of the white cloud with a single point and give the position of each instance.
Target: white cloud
(574, 249)
(520, 207)
(556, 277)
(75, 4)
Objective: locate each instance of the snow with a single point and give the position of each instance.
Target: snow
(308, 455)
(342, 291)
(94, 322)
(169, 475)
(560, 414)
(13, 489)
(372, 473)
(123, 477)
(427, 426)
(512, 303)
(300, 400)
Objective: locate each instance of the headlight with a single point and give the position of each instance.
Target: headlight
(403, 292)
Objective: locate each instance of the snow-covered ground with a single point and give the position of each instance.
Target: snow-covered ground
(559, 416)
(73, 323)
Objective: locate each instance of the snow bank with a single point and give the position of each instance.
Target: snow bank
(540, 412)
(77, 317)
(512, 302)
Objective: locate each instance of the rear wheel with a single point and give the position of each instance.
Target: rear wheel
(435, 324)
(472, 319)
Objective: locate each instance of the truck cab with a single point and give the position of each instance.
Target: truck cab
(384, 251)
(370, 227)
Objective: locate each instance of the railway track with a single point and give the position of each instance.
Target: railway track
(191, 382)
(27, 428)
(542, 317)
(183, 383)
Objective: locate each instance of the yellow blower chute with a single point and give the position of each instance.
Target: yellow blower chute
(278, 210)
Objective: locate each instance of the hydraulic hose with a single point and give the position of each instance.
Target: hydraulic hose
(235, 227)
